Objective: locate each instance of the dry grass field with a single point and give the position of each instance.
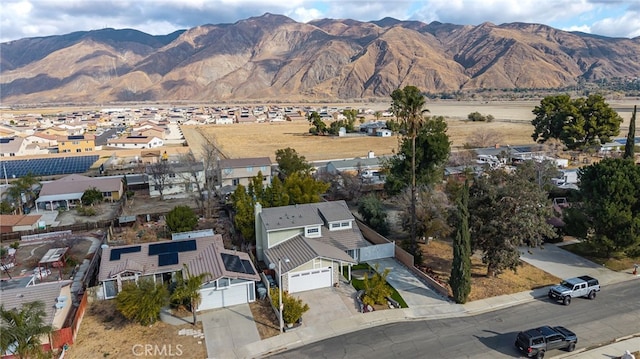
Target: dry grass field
(438, 255)
(512, 123)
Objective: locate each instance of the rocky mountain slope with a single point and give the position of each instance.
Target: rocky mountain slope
(272, 57)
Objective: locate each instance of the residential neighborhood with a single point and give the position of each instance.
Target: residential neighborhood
(84, 230)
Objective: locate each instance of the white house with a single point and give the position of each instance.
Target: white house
(177, 180)
(135, 142)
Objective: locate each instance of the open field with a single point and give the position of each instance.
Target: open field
(512, 123)
(263, 139)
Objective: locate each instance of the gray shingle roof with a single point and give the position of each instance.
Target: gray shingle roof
(301, 215)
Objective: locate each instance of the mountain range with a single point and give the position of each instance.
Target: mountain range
(272, 57)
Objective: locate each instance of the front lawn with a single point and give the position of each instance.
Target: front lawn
(358, 284)
(617, 262)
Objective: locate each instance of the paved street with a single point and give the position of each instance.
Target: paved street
(615, 313)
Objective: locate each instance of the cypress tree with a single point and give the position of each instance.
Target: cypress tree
(460, 279)
(629, 147)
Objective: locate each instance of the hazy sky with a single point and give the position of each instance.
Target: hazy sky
(32, 18)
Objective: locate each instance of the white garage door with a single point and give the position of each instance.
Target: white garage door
(311, 279)
(218, 298)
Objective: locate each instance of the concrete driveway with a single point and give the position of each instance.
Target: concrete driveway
(328, 304)
(414, 292)
(228, 328)
(564, 264)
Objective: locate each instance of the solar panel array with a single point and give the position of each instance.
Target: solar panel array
(117, 252)
(172, 247)
(235, 264)
(167, 259)
(47, 166)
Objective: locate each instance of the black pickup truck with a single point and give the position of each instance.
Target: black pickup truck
(534, 343)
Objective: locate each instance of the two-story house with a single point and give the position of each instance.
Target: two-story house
(76, 143)
(312, 243)
(235, 171)
(176, 180)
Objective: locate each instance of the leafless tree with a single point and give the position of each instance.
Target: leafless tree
(432, 212)
(484, 138)
(462, 158)
(160, 172)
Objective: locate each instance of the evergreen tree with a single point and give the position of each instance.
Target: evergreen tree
(460, 280)
(181, 219)
(629, 147)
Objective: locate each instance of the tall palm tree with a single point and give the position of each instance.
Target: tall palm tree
(23, 185)
(188, 289)
(22, 330)
(408, 107)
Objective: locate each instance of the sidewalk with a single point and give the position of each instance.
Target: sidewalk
(614, 350)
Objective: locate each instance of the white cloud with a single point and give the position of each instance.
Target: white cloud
(627, 25)
(28, 18)
(302, 14)
(581, 28)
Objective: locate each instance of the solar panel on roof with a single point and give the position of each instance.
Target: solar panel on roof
(76, 137)
(248, 268)
(235, 264)
(117, 252)
(172, 247)
(167, 259)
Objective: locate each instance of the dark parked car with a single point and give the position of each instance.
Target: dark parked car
(536, 342)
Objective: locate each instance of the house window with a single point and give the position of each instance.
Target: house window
(335, 225)
(249, 169)
(345, 224)
(78, 149)
(110, 289)
(312, 231)
(235, 181)
(263, 169)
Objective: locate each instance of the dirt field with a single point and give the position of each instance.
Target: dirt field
(106, 334)
(438, 255)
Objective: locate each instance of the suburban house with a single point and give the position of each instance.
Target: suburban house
(177, 180)
(76, 143)
(233, 172)
(17, 223)
(55, 296)
(356, 166)
(135, 142)
(312, 243)
(231, 279)
(18, 146)
(67, 191)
